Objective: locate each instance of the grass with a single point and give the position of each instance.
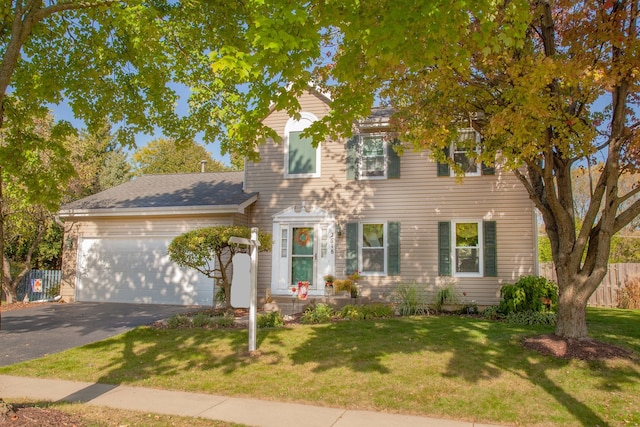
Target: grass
(450, 367)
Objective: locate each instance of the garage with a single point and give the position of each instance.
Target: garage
(137, 271)
(115, 244)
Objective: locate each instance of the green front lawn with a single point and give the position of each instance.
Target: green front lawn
(445, 366)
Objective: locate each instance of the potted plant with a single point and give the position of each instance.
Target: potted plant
(354, 291)
(328, 284)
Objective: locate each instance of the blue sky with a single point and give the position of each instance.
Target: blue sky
(63, 112)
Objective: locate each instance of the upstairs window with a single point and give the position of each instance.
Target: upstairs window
(371, 156)
(464, 153)
(302, 159)
(373, 160)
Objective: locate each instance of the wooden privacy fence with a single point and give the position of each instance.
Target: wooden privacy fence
(39, 285)
(607, 293)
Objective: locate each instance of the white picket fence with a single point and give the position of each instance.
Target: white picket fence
(607, 293)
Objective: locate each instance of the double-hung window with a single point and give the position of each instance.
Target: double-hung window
(467, 248)
(372, 156)
(465, 152)
(467, 255)
(373, 250)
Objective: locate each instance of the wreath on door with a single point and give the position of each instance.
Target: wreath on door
(302, 237)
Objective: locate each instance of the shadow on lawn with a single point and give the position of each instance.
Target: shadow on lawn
(477, 351)
(480, 351)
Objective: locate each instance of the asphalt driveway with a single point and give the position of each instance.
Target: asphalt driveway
(49, 328)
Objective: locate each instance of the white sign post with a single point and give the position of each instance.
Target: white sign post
(254, 244)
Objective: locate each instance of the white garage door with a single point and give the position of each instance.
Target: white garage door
(137, 270)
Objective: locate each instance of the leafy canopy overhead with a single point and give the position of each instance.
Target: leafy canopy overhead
(548, 85)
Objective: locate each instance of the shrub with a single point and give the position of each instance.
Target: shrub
(492, 313)
(271, 319)
(201, 320)
(629, 294)
(225, 321)
(342, 285)
(367, 311)
(53, 291)
(410, 300)
(447, 294)
(529, 293)
(317, 313)
(177, 321)
(531, 317)
(353, 312)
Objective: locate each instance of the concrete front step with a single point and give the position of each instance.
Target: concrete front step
(287, 305)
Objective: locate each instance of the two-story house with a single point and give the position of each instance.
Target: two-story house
(348, 205)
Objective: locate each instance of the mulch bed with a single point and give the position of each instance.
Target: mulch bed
(566, 348)
(30, 416)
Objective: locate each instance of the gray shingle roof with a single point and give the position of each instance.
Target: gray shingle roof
(215, 189)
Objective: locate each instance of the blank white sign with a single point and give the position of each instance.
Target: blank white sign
(241, 282)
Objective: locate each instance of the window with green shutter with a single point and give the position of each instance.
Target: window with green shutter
(371, 156)
(461, 152)
(352, 248)
(467, 248)
(373, 248)
(444, 248)
(490, 249)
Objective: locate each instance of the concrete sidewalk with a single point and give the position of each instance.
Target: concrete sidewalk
(244, 411)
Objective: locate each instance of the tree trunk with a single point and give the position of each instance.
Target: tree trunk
(571, 318)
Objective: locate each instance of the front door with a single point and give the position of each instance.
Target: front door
(303, 249)
(303, 256)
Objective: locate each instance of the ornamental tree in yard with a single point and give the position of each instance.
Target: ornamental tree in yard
(117, 62)
(549, 85)
(208, 251)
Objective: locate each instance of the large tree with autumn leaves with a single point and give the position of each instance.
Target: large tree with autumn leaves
(550, 84)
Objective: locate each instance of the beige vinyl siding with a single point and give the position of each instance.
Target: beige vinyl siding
(418, 200)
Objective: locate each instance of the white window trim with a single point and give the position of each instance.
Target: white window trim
(293, 125)
(385, 247)
(360, 156)
(477, 150)
(454, 271)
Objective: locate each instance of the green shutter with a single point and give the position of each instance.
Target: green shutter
(352, 157)
(488, 169)
(490, 249)
(393, 161)
(302, 154)
(393, 249)
(443, 168)
(444, 249)
(352, 248)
